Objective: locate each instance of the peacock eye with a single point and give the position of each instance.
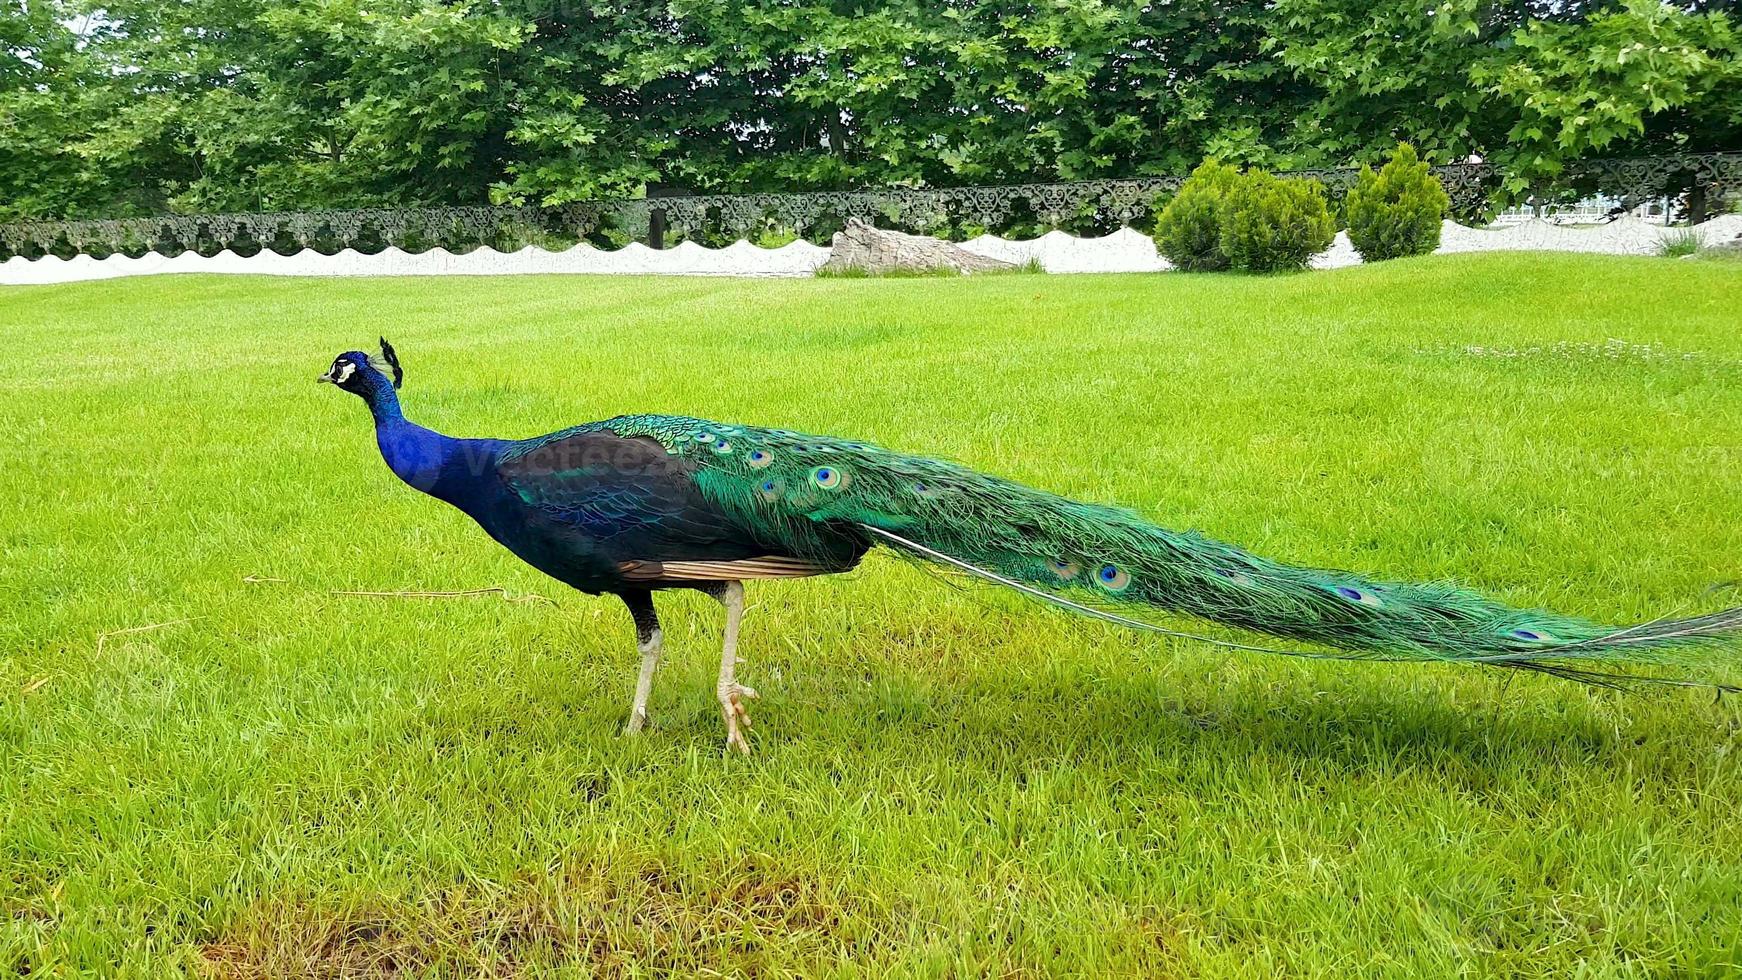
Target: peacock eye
(829, 477)
(760, 459)
(1357, 595)
(1113, 578)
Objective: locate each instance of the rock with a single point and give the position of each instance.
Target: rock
(1731, 247)
(879, 252)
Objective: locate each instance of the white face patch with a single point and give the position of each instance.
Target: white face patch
(344, 371)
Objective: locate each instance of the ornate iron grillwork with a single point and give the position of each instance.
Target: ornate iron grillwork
(1473, 188)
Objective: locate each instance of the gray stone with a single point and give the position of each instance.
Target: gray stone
(1731, 249)
(879, 252)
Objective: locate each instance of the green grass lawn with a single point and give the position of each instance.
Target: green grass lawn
(267, 778)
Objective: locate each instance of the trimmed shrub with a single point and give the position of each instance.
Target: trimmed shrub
(1189, 231)
(1397, 211)
(1271, 225)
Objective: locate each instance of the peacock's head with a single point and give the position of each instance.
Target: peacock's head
(365, 374)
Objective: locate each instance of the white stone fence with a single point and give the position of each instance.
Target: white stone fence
(1123, 251)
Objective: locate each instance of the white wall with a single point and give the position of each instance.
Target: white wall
(1123, 251)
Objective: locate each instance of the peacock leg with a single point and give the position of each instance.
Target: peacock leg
(650, 641)
(732, 694)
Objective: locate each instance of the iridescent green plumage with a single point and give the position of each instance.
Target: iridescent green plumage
(805, 491)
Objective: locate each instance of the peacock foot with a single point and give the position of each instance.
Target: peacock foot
(737, 714)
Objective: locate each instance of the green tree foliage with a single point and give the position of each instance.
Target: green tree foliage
(50, 89)
(1189, 231)
(1527, 84)
(1271, 224)
(138, 106)
(1391, 70)
(1397, 211)
(1646, 73)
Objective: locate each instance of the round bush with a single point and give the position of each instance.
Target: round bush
(1271, 225)
(1397, 211)
(1189, 231)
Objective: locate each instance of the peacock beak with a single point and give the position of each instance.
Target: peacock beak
(325, 379)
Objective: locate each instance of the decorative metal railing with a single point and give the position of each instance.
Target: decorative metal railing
(1474, 189)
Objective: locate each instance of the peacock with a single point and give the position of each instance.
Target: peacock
(641, 503)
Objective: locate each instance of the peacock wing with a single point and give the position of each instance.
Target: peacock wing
(625, 496)
(810, 494)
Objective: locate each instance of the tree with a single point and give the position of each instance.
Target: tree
(141, 106)
(1648, 76)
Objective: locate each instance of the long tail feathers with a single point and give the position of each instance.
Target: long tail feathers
(1545, 659)
(804, 492)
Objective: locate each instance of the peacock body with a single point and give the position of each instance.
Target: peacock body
(640, 503)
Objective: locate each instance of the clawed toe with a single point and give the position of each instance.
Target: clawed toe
(737, 715)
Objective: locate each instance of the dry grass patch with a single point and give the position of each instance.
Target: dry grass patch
(612, 921)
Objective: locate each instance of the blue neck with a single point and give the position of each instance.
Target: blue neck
(383, 403)
(444, 467)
